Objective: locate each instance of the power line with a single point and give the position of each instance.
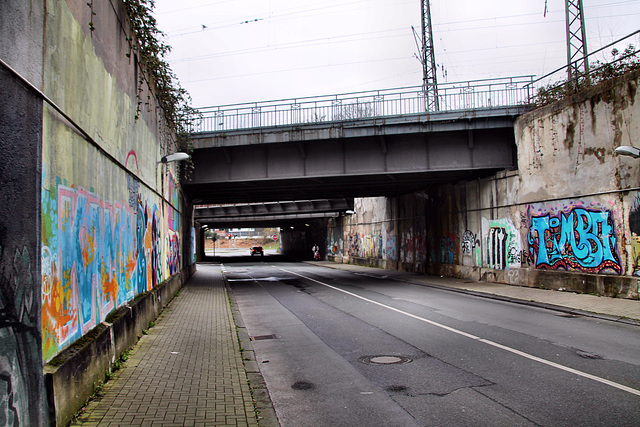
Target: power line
(279, 16)
(294, 45)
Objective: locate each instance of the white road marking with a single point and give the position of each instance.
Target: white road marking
(476, 338)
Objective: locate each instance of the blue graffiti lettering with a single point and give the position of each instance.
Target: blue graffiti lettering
(581, 239)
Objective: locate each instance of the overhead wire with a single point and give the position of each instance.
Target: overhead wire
(292, 12)
(302, 12)
(314, 42)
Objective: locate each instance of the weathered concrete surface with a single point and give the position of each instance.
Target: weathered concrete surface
(350, 167)
(568, 218)
(22, 394)
(21, 31)
(565, 150)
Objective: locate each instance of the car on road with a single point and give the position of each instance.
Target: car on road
(257, 250)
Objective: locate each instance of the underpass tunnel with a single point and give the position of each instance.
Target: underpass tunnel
(297, 238)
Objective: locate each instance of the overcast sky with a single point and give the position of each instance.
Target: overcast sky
(232, 51)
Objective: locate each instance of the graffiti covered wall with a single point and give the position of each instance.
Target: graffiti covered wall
(98, 254)
(568, 218)
(634, 229)
(388, 231)
(112, 216)
(574, 236)
(364, 235)
(503, 245)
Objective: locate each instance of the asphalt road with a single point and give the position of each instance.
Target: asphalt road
(338, 348)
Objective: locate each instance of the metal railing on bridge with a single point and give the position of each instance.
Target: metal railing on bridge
(464, 96)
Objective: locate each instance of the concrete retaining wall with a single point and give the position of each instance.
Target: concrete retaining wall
(89, 220)
(22, 394)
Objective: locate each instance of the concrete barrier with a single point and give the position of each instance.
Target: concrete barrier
(74, 375)
(605, 285)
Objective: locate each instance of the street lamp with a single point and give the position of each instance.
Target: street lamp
(175, 157)
(628, 150)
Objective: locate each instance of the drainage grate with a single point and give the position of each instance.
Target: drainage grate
(385, 360)
(263, 337)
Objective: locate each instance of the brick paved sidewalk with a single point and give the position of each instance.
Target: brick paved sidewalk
(187, 371)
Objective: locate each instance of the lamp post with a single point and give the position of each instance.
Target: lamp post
(175, 157)
(628, 150)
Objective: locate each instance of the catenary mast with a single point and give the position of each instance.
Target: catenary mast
(576, 40)
(428, 60)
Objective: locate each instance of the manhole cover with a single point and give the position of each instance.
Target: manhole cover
(385, 360)
(263, 337)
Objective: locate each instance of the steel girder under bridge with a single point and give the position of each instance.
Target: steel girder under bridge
(271, 213)
(362, 158)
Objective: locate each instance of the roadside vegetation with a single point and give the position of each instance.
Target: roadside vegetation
(174, 100)
(599, 72)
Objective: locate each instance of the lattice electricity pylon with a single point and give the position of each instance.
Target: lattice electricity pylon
(428, 60)
(577, 62)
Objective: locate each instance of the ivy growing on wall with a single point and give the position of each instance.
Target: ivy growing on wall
(174, 100)
(92, 25)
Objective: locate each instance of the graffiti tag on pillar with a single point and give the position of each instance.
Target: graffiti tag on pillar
(498, 248)
(503, 244)
(634, 227)
(578, 240)
(392, 248)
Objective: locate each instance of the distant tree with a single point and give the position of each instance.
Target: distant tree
(354, 111)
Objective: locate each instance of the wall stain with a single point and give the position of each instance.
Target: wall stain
(599, 153)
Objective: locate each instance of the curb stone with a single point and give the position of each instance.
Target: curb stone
(265, 411)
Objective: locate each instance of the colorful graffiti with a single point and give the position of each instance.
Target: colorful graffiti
(354, 243)
(391, 249)
(95, 256)
(447, 248)
(363, 245)
(369, 245)
(503, 245)
(634, 227)
(192, 248)
(471, 246)
(443, 248)
(413, 248)
(575, 239)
